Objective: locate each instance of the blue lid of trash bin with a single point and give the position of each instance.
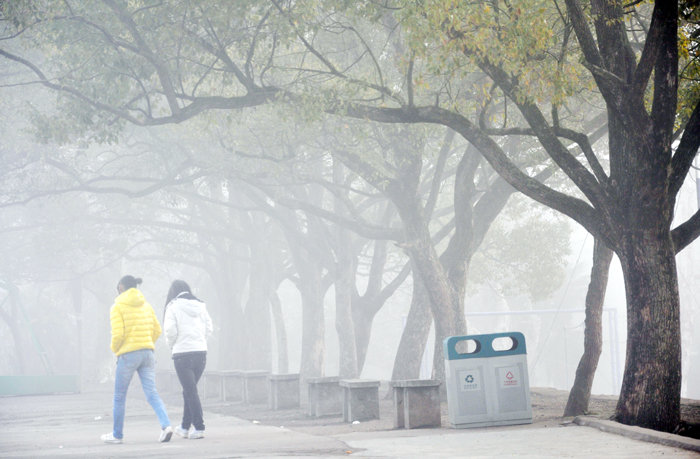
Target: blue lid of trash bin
(483, 346)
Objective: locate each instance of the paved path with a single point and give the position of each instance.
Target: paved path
(70, 426)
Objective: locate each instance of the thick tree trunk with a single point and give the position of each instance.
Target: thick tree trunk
(593, 335)
(443, 300)
(456, 326)
(415, 334)
(651, 386)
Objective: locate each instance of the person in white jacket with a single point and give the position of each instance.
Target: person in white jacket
(187, 326)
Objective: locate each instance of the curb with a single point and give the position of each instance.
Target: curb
(640, 433)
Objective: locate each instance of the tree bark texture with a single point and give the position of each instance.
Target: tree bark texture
(414, 337)
(651, 385)
(580, 394)
(443, 300)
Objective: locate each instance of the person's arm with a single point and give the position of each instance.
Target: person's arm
(207, 322)
(170, 326)
(117, 323)
(156, 331)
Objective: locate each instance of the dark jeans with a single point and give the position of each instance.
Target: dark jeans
(189, 367)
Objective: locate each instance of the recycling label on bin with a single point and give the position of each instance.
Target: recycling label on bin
(509, 377)
(469, 380)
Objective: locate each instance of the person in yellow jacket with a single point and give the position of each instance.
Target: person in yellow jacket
(135, 329)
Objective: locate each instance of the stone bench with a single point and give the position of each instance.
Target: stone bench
(416, 403)
(325, 396)
(284, 391)
(360, 399)
(255, 386)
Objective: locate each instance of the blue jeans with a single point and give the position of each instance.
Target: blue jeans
(142, 361)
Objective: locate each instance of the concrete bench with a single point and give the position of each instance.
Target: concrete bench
(255, 386)
(416, 403)
(360, 399)
(325, 396)
(233, 385)
(284, 391)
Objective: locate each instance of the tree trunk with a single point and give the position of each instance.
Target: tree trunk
(313, 321)
(344, 279)
(593, 334)
(365, 307)
(231, 331)
(231, 326)
(362, 319)
(431, 272)
(258, 354)
(280, 334)
(651, 386)
(415, 334)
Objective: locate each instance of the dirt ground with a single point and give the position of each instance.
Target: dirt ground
(547, 407)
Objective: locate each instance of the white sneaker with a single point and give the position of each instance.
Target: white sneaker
(165, 434)
(181, 431)
(109, 438)
(196, 434)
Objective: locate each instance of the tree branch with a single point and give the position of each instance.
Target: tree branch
(438, 172)
(363, 229)
(575, 208)
(686, 232)
(686, 151)
(595, 191)
(329, 65)
(145, 51)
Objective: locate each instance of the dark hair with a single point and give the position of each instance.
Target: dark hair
(129, 282)
(177, 288)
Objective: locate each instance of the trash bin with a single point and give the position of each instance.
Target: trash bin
(487, 385)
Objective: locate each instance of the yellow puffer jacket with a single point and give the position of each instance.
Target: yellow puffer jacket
(134, 323)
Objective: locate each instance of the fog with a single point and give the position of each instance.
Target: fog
(323, 243)
(65, 247)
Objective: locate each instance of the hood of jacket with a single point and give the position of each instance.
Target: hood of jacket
(132, 297)
(192, 308)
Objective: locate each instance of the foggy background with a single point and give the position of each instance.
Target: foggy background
(209, 201)
(65, 249)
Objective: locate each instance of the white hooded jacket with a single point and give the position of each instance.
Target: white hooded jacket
(187, 325)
